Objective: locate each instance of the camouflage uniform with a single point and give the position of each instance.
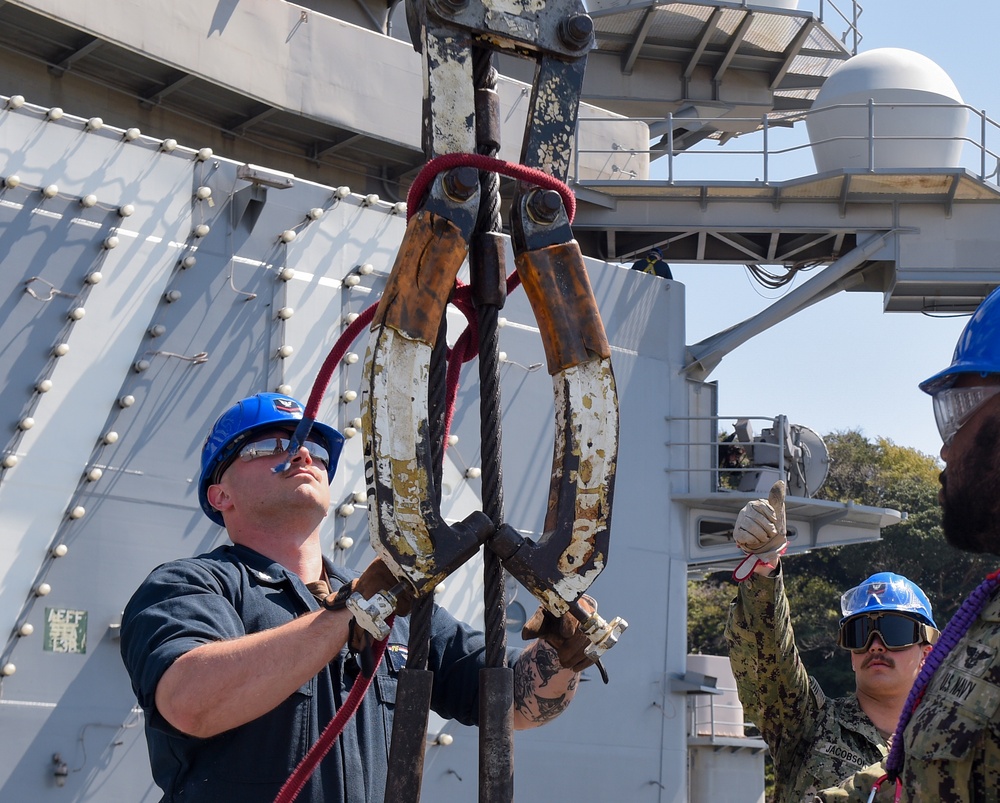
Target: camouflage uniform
(815, 742)
(953, 738)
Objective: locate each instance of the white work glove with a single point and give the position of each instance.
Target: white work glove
(760, 531)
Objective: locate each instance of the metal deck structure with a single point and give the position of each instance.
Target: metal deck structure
(150, 278)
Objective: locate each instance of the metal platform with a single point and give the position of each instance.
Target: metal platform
(938, 253)
(734, 222)
(789, 52)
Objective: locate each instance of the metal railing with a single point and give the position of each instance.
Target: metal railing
(849, 18)
(719, 461)
(978, 147)
(713, 718)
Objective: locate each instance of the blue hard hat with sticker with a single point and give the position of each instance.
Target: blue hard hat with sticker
(240, 423)
(886, 591)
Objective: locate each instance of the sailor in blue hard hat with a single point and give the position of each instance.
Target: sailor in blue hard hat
(946, 744)
(256, 426)
(883, 618)
(967, 410)
(241, 656)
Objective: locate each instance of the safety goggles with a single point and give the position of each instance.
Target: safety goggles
(267, 447)
(896, 632)
(954, 406)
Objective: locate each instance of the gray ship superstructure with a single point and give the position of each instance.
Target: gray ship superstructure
(197, 199)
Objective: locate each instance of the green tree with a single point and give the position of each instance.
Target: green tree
(708, 607)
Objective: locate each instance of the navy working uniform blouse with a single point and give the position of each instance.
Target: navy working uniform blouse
(233, 591)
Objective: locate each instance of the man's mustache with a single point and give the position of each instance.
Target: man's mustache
(881, 658)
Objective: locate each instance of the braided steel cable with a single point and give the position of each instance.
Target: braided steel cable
(490, 425)
(494, 591)
(485, 78)
(488, 293)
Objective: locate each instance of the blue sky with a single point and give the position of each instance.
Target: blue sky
(844, 363)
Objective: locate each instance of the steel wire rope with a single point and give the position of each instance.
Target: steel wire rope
(490, 425)
(496, 747)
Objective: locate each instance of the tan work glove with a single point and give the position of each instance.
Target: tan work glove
(563, 634)
(760, 530)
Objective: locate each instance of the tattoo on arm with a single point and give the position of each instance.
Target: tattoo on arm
(532, 674)
(523, 688)
(550, 707)
(547, 663)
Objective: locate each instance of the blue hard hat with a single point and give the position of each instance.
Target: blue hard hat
(240, 423)
(978, 349)
(886, 591)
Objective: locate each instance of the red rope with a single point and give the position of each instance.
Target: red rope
(531, 175)
(336, 354)
(307, 766)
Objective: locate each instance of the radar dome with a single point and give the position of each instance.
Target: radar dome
(905, 136)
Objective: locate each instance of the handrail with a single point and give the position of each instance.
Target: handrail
(712, 440)
(977, 155)
(853, 31)
(705, 717)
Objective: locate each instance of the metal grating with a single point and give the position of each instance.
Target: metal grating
(772, 33)
(811, 65)
(791, 49)
(681, 23)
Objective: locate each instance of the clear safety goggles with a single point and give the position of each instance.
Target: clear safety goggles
(895, 630)
(268, 447)
(954, 406)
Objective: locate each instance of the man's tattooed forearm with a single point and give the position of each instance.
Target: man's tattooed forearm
(533, 671)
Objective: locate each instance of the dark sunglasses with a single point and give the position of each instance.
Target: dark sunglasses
(896, 631)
